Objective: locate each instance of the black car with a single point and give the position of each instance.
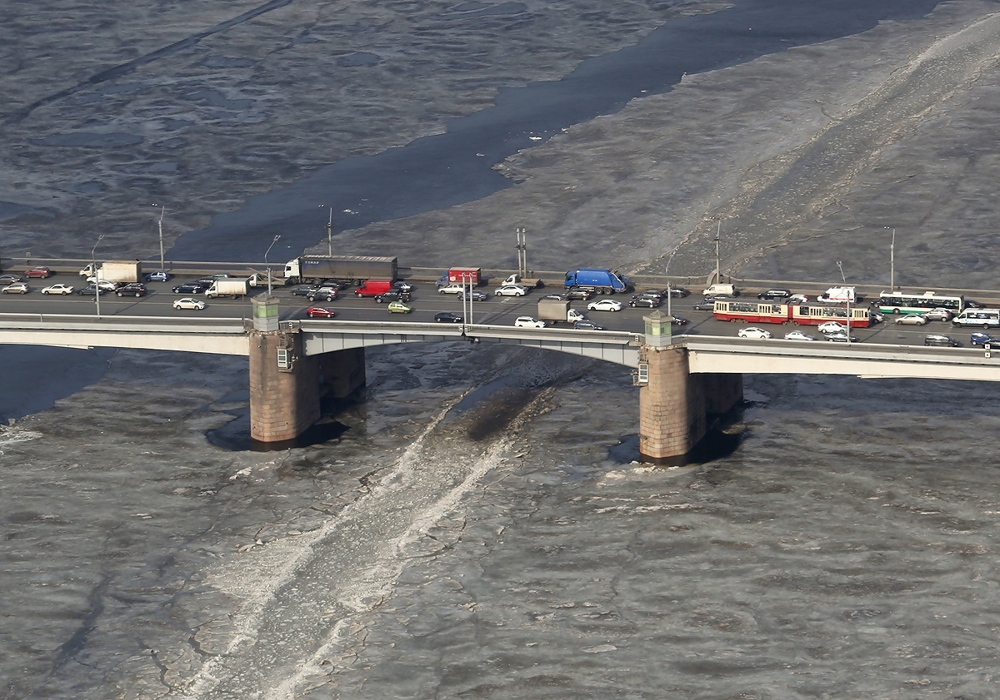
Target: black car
(392, 295)
(979, 338)
(650, 302)
(339, 285)
(304, 290)
(678, 321)
(941, 340)
(134, 289)
(583, 293)
(972, 304)
(677, 292)
(90, 290)
(775, 294)
(448, 317)
(323, 293)
(402, 286)
(189, 288)
(587, 326)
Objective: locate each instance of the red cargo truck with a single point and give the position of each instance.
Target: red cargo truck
(464, 274)
(371, 288)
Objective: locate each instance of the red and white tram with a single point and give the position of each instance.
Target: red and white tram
(799, 314)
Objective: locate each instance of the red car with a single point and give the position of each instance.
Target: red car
(319, 312)
(42, 272)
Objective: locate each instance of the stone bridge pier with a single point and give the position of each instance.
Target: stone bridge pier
(674, 404)
(285, 385)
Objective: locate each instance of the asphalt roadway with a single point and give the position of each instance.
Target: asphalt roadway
(426, 302)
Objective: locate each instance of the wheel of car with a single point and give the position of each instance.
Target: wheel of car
(377, 300)
(986, 326)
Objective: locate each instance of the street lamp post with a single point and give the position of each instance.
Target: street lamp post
(670, 292)
(163, 210)
(97, 277)
(329, 234)
(841, 267)
(892, 262)
(268, 266)
(718, 263)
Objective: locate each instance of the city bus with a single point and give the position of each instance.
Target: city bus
(903, 303)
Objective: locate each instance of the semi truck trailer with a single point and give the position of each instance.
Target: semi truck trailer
(315, 268)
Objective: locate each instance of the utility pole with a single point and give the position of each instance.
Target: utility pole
(329, 235)
(522, 252)
(718, 266)
(892, 262)
(842, 277)
(163, 210)
(97, 277)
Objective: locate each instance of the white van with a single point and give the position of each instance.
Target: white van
(717, 289)
(987, 318)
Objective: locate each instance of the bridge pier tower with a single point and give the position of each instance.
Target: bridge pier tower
(285, 384)
(673, 403)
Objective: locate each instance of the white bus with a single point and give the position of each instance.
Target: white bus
(904, 303)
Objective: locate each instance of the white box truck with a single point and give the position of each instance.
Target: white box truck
(114, 271)
(232, 287)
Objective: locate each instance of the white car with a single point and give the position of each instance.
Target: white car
(104, 284)
(528, 322)
(58, 289)
(831, 327)
(911, 320)
(452, 289)
(797, 299)
(189, 303)
(511, 290)
(798, 335)
(605, 305)
(754, 333)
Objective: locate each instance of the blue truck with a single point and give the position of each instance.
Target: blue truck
(604, 281)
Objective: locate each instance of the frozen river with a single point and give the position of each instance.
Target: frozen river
(480, 528)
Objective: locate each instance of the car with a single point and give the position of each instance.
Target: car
(754, 333)
(320, 312)
(586, 325)
(938, 315)
(704, 305)
(134, 289)
(207, 280)
(775, 294)
(398, 307)
(189, 303)
(16, 288)
(581, 293)
(941, 340)
(911, 320)
(831, 327)
(303, 290)
(40, 272)
(90, 290)
(9, 278)
(189, 288)
(555, 297)
(605, 305)
(798, 335)
(840, 338)
(323, 294)
(676, 292)
(528, 322)
(448, 317)
(678, 321)
(797, 299)
(158, 276)
(402, 286)
(653, 293)
(511, 290)
(979, 338)
(453, 288)
(106, 285)
(475, 296)
(649, 302)
(59, 288)
(392, 295)
(339, 285)
(973, 304)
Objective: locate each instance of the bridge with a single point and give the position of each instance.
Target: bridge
(682, 379)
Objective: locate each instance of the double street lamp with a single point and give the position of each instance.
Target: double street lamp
(163, 210)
